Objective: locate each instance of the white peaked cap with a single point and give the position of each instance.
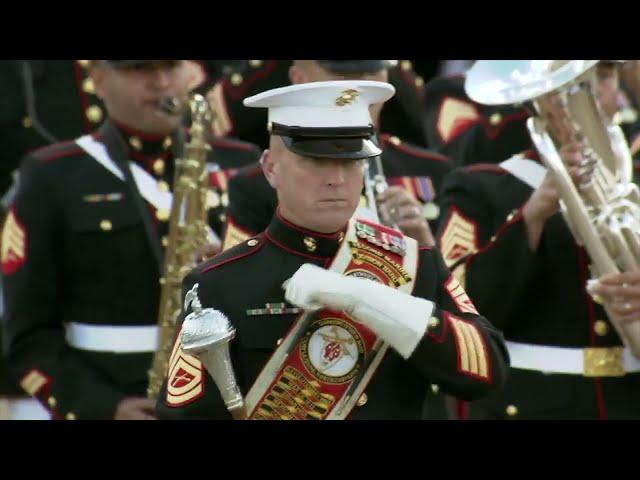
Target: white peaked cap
(343, 103)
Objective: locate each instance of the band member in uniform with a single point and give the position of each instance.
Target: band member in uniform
(82, 246)
(414, 174)
(49, 101)
(469, 132)
(402, 116)
(502, 231)
(345, 318)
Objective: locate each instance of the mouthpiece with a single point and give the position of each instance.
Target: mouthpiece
(171, 106)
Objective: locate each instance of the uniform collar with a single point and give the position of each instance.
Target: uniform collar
(142, 144)
(155, 155)
(302, 241)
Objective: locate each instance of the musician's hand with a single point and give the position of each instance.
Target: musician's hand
(135, 408)
(620, 293)
(556, 117)
(543, 202)
(406, 213)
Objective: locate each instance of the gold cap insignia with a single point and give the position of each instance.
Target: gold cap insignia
(347, 97)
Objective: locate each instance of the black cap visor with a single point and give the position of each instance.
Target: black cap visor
(345, 143)
(134, 63)
(355, 66)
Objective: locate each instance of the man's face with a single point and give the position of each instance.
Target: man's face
(318, 194)
(132, 95)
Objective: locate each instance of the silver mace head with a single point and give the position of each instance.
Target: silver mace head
(206, 334)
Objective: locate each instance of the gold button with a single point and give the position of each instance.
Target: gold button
(223, 217)
(52, 402)
(310, 244)
(70, 416)
(512, 410)
(362, 401)
(94, 114)
(435, 388)
(419, 82)
(165, 241)
(434, 322)
(511, 215)
(162, 281)
(213, 199)
(88, 86)
(395, 140)
(83, 63)
(255, 63)
(163, 186)
(236, 79)
(601, 328)
(224, 199)
(493, 239)
(162, 214)
(27, 122)
(253, 242)
(158, 166)
(167, 143)
(495, 119)
(106, 225)
(135, 143)
(279, 342)
(406, 65)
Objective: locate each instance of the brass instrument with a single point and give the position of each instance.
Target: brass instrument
(188, 229)
(603, 208)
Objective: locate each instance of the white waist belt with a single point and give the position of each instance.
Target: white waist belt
(561, 359)
(110, 338)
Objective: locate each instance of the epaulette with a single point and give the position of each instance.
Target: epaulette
(390, 141)
(237, 86)
(56, 151)
(233, 144)
(409, 77)
(234, 254)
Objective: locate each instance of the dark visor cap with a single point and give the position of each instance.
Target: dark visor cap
(132, 63)
(343, 143)
(356, 66)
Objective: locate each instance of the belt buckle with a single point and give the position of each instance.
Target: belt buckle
(604, 362)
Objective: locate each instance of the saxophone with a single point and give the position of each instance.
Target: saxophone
(188, 229)
(603, 209)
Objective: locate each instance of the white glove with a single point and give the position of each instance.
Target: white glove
(399, 319)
